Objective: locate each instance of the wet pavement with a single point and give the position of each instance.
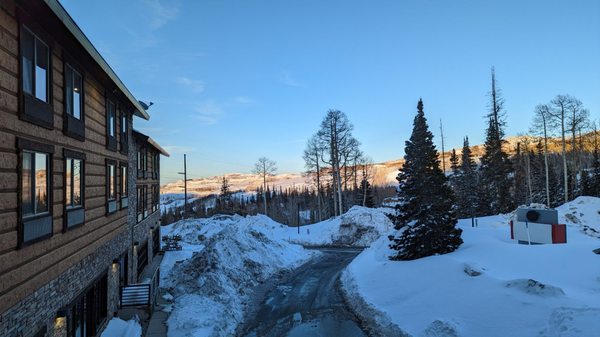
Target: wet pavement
(308, 302)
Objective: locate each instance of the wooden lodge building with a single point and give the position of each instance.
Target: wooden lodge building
(78, 186)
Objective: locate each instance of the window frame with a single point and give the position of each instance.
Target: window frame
(72, 126)
(141, 211)
(25, 145)
(124, 186)
(111, 204)
(124, 141)
(142, 162)
(76, 211)
(31, 108)
(111, 141)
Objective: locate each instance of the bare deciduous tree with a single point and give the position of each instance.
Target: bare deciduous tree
(265, 168)
(312, 159)
(542, 125)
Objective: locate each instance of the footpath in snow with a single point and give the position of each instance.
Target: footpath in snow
(491, 286)
(224, 258)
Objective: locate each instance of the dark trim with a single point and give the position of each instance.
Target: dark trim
(73, 127)
(31, 109)
(111, 141)
(26, 144)
(107, 185)
(23, 143)
(124, 136)
(74, 154)
(80, 156)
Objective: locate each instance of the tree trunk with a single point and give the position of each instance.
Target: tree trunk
(564, 154)
(546, 163)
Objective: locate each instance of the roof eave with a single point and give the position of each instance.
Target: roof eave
(66, 19)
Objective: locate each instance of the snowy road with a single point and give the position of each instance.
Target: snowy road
(308, 302)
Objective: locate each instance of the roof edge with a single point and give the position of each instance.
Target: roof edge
(70, 24)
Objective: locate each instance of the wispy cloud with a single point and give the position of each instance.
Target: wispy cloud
(244, 100)
(286, 78)
(208, 112)
(196, 86)
(160, 14)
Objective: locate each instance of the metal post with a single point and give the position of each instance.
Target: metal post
(185, 202)
(185, 205)
(298, 218)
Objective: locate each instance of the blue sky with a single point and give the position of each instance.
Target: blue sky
(236, 80)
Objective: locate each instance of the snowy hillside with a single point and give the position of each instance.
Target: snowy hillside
(491, 286)
(222, 259)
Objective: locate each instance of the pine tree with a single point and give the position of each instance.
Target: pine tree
(595, 178)
(466, 183)
(495, 171)
(425, 218)
(365, 195)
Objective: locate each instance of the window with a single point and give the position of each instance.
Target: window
(123, 191)
(141, 163)
(155, 241)
(111, 125)
(111, 186)
(141, 203)
(155, 165)
(90, 310)
(123, 131)
(74, 188)
(35, 185)
(74, 125)
(35, 80)
(73, 88)
(35, 61)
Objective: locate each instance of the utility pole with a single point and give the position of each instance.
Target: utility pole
(443, 155)
(185, 203)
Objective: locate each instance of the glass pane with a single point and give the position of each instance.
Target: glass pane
(111, 181)
(77, 182)
(77, 88)
(69, 89)
(26, 197)
(111, 119)
(124, 180)
(69, 178)
(28, 50)
(41, 71)
(123, 123)
(41, 183)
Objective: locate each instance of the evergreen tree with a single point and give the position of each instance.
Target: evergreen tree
(365, 197)
(466, 183)
(595, 178)
(495, 171)
(425, 218)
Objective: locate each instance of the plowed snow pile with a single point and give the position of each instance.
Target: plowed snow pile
(359, 227)
(222, 260)
(491, 286)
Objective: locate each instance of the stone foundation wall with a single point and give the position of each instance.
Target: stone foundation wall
(40, 308)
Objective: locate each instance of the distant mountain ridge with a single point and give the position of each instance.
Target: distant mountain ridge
(383, 173)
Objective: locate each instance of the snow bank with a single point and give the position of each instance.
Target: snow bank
(222, 260)
(490, 286)
(360, 226)
(119, 328)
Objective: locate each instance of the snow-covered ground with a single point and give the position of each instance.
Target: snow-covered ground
(360, 226)
(223, 259)
(117, 327)
(491, 286)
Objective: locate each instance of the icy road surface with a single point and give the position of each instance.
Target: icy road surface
(308, 302)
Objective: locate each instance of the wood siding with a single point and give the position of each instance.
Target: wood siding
(23, 270)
